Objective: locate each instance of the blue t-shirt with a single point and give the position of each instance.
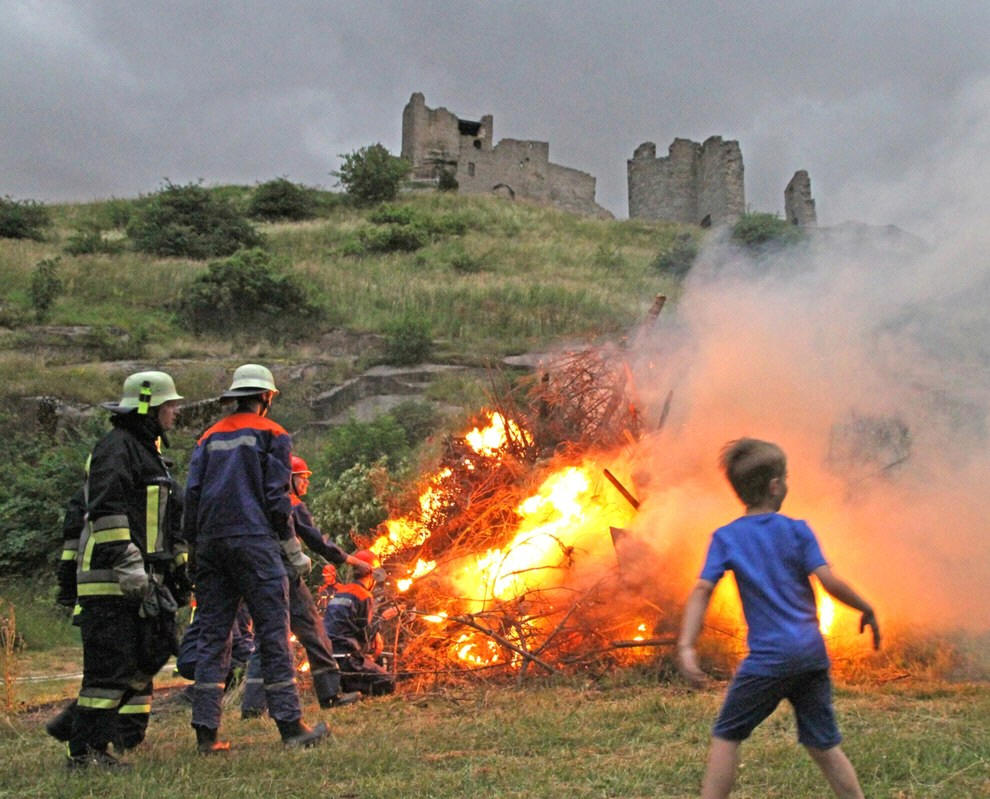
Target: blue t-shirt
(772, 557)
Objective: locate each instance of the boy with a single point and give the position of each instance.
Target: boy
(771, 556)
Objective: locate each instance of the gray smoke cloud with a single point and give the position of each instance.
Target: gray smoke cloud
(866, 356)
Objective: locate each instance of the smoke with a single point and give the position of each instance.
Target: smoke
(865, 354)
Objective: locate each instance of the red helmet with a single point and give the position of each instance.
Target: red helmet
(368, 557)
(299, 466)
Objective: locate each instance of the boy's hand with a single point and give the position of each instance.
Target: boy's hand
(868, 619)
(687, 664)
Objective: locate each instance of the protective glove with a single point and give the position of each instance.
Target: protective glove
(131, 576)
(181, 584)
(299, 563)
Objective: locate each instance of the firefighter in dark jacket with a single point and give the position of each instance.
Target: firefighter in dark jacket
(350, 622)
(304, 619)
(238, 519)
(129, 547)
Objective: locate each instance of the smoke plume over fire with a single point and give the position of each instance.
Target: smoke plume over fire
(864, 353)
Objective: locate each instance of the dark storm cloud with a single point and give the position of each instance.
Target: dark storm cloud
(104, 98)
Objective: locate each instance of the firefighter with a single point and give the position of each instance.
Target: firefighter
(238, 519)
(304, 620)
(129, 545)
(349, 621)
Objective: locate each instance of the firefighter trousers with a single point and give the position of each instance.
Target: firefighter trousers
(230, 569)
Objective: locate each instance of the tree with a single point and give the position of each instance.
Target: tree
(372, 174)
(281, 199)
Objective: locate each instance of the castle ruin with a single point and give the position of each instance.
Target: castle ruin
(799, 206)
(698, 184)
(438, 143)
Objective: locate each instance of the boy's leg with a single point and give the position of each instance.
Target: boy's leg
(838, 771)
(720, 773)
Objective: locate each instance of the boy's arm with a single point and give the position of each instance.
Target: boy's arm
(844, 592)
(694, 615)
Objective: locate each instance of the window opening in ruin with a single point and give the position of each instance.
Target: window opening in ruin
(477, 144)
(471, 168)
(707, 221)
(468, 128)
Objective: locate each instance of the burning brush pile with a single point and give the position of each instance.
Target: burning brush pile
(514, 558)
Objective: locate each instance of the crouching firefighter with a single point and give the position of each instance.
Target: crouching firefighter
(129, 548)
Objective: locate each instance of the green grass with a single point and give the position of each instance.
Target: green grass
(627, 736)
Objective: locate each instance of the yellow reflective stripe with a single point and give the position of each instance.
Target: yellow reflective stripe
(135, 708)
(151, 518)
(104, 536)
(108, 536)
(99, 589)
(182, 557)
(69, 554)
(97, 703)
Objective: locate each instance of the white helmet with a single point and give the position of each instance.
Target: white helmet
(144, 390)
(249, 379)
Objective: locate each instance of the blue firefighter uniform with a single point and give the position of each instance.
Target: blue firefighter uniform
(304, 621)
(237, 512)
(348, 621)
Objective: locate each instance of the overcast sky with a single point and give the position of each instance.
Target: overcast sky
(109, 98)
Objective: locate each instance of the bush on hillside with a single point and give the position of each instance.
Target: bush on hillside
(37, 478)
(45, 287)
(351, 502)
(250, 295)
(372, 174)
(408, 341)
(354, 442)
(188, 221)
(282, 199)
(23, 219)
(760, 231)
(89, 239)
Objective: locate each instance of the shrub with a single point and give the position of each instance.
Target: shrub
(37, 477)
(351, 502)
(23, 219)
(678, 258)
(188, 221)
(282, 199)
(88, 239)
(407, 341)
(418, 419)
(372, 175)
(249, 294)
(354, 442)
(45, 287)
(760, 231)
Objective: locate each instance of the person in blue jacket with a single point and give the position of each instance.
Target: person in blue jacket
(238, 519)
(304, 620)
(772, 557)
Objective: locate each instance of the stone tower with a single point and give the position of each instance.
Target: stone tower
(799, 206)
(700, 184)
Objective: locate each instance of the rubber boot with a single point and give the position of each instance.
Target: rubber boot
(207, 743)
(297, 733)
(60, 726)
(327, 687)
(96, 758)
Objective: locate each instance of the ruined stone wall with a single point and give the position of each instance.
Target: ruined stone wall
(799, 206)
(695, 183)
(513, 168)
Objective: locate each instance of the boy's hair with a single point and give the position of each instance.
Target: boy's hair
(750, 465)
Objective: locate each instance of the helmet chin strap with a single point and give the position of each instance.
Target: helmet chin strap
(266, 404)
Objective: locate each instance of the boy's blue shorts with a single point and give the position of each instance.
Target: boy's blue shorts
(752, 698)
